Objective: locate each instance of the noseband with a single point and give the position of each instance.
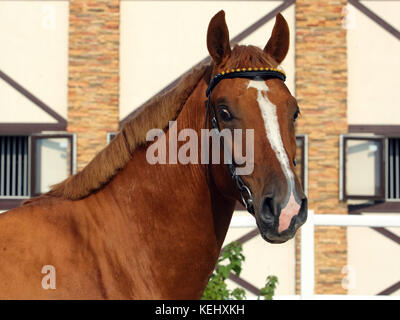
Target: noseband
(248, 73)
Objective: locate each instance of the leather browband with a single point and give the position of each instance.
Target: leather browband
(264, 73)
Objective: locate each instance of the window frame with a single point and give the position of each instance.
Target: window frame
(33, 139)
(387, 199)
(304, 161)
(343, 196)
(10, 202)
(111, 136)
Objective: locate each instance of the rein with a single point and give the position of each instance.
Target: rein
(248, 73)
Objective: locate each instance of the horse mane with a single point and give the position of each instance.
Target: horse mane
(156, 113)
(249, 56)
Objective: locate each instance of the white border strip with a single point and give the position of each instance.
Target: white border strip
(348, 220)
(243, 222)
(339, 220)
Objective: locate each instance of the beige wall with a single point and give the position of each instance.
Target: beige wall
(373, 66)
(373, 261)
(34, 52)
(160, 40)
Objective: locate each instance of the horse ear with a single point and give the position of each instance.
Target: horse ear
(278, 45)
(218, 38)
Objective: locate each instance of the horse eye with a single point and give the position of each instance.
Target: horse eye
(296, 114)
(225, 114)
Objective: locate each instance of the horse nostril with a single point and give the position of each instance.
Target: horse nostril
(268, 205)
(268, 210)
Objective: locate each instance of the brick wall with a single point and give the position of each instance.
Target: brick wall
(93, 86)
(321, 90)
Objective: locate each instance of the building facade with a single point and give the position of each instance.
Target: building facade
(73, 71)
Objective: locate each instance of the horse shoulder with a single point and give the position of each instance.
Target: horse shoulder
(43, 235)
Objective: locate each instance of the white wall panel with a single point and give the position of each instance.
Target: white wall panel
(34, 53)
(373, 66)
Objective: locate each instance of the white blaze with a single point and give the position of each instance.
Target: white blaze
(271, 123)
(268, 112)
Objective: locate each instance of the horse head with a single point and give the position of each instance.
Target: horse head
(247, 92)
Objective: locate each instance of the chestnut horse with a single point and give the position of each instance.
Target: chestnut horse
(123, 228)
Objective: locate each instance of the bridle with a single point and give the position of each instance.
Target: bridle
(248, 73)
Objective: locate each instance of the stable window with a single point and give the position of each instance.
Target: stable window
(29, 165)
(51, 161)
(363, 169)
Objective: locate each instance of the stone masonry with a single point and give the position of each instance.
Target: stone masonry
(321, 91)
(93, 84)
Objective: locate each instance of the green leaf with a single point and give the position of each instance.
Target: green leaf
(231, 260)
(268, 291)
(238, 294)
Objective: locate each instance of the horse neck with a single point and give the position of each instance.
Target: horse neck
(171, 215)
(212, 179)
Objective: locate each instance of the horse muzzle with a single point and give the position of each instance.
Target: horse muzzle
(277, 224)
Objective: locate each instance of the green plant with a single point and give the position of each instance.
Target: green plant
(269, 289)
(229, 261)
(217, 288)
